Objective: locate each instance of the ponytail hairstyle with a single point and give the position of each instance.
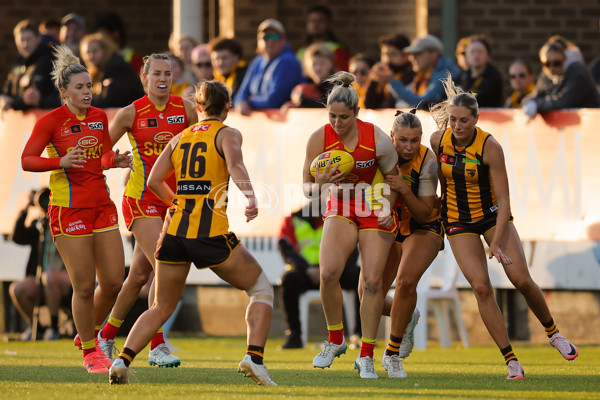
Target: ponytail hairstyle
(407, 120)
(342, 91)
(65, 65)
(145, 70)
(455, 96)
(212, 97)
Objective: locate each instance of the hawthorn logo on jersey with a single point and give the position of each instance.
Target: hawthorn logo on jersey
(96, 125)
(193, 187)
(365, 164)
(471, 172)
(163, 137)
(203, 127)
(447, 159)
(176, 119)
(87, 141)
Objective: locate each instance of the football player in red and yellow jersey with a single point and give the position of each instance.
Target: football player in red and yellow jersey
(83, 219)
(358, 210)
(150, 123)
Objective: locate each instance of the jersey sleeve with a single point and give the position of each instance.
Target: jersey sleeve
(387, 158)
(31, 159)
(428, 178)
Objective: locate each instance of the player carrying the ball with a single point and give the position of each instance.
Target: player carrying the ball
(358, 210)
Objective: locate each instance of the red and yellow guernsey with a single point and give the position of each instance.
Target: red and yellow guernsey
(365, 159)
(151, 131)
(59, 132)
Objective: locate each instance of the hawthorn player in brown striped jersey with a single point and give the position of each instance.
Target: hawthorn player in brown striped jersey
(476, 202)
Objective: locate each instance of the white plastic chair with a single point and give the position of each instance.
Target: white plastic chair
(312, 296)
(437, 289)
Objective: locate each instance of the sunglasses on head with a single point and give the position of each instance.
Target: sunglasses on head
(519, 75)
(271, 36)
(206, 64)
(361, 71)
(555, 63)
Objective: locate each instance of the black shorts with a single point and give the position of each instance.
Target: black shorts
(434, 227)
(206, 252)
(471, 228)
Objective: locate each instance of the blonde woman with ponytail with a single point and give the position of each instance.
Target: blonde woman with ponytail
(475, 203)
(353, 215)
(83, 218)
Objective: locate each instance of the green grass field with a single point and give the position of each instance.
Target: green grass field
(52, 370)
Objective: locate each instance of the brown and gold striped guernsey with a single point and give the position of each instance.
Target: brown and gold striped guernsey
(202, 182)
(469, 195)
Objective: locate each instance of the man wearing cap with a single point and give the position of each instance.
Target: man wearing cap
(430, 67)
(272, 74)
(72, 31)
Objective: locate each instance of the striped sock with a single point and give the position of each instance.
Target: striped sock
(366, 349)
(88, 347)
(550, 328)
(336, 333)
(111, 328)
(393, 347)
(508, 354)
(256, 353)
(127, 355)
(157, 339)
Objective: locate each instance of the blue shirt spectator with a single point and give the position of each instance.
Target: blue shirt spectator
(430, 68)
(272, 75)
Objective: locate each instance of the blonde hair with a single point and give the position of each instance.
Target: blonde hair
(317, 50)
(407, 120)
(65, 65)
(455, 96)
(342, 91)
(108, 46)
(212, 97)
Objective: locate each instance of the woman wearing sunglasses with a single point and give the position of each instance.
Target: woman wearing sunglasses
(520, 75)
(565, 81)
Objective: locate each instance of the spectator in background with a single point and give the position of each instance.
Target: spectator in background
(28, 83)
(201, 63)
(319, 30)
(202, 68)
(520, 75)
(272, 74)
(461, 50)
(56, 288)
(360, 65)
(394, 64)
(299, 244)
(50, 30)
(72, 31)
(227, 62)
(482, 78)
(565, 81)
(114, 82)
(430, 67)
(179, 86)
(112, 26)
(182, 47)
(318, 64)
(595, 70)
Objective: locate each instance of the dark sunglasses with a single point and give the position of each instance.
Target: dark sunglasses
(361, 72)
(206, 64)
(515, 76)
(555, 63)
(271, 36)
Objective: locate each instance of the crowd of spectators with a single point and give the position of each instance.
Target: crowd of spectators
(408, 73)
